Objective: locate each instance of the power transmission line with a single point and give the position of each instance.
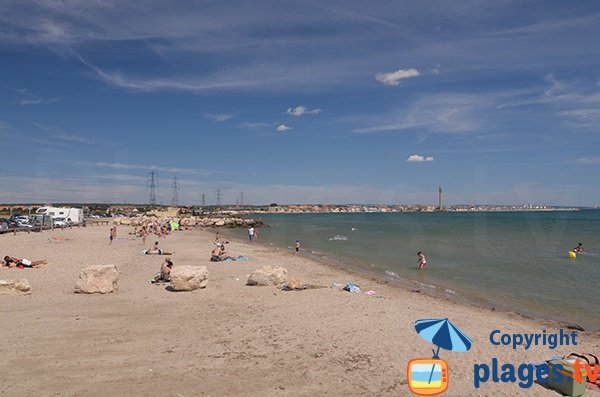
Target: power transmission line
(175, 198)
(153, 185)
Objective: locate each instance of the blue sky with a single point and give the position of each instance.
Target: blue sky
(301, 102)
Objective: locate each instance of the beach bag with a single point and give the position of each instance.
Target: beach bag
(352, 288)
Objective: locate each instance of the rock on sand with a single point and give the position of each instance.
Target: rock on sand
(268, 275)
(101, 279)
(189, 278)
(15, 287)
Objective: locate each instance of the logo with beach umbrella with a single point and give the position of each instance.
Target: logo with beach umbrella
(429, 376)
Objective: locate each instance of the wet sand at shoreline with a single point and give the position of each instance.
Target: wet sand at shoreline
(230, 339)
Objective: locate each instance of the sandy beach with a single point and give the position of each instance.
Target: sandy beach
(231, 339)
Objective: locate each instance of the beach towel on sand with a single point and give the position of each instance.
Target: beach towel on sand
(239, 258)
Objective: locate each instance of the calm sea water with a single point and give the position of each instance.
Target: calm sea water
(512, 260)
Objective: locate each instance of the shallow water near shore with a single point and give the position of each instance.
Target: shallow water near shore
(509, 260)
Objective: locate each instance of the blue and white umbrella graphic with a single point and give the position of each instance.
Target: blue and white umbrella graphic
(443, 334)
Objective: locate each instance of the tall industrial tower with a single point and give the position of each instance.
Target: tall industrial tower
(218, 197)
(175, 198)
(203, 200)
(440, 199)
(153, 186)
(242, 199)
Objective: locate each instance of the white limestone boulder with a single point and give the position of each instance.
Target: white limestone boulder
(189, 278)
(268, 275)
(98, 279)
(15, 287)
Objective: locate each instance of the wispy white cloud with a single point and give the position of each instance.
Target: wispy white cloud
(172, 170)
(575, 101)
(28, 99)
(283, 128)
(300, 110)
(548, 26)
(394, 78)
(119, 79)
(220, 117)
(588, 160)
(123, 178)
(417, 158)
(441, 113)
(37, 101)
(58, 133)
(256, 125)
(35, 189)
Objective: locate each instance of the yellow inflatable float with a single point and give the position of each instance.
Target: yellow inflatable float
(572, 254)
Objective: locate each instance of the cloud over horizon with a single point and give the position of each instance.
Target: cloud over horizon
(220, 117)
(394, 78)
(300, 110)
(417, 158)
(283, 128)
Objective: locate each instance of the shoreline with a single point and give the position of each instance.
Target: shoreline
(431, 290)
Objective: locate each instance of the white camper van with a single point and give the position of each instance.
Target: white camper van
(73, 215)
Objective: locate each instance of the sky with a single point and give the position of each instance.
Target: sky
(300, 101)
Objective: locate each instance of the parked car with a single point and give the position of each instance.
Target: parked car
(43, 221)
(60, 222)
(20, 218)
(3, 226)
(10, 223)
(24, 224)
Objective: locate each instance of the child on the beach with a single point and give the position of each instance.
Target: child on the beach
(422, 262)
(297, 247)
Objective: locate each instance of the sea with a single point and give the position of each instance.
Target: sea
(512, 261)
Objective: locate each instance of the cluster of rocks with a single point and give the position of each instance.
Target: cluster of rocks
(103, 279)
(227, 222)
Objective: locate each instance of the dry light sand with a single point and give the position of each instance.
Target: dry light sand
(229, 339)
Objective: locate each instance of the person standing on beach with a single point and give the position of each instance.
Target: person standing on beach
(251, 232)
(144, 233)
(297, 247)
(113, 234)
(422, 262)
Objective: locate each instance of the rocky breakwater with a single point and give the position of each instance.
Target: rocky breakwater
(191, 221)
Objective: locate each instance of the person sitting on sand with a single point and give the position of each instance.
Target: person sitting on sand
(218, 254)
(578, 249)
(165, 271)
(422, 262)
(16, 262)
(215, 254)
(156, 251)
